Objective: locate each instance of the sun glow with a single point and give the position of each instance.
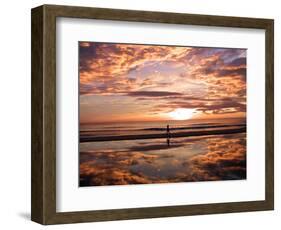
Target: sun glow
(181, 114)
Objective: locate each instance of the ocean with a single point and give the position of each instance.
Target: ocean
(151, 127)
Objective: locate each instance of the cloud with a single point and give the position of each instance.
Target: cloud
(233, 72)
(191, 77)
(239, 62)
(112, 60)
(206, 105)
(153, 93)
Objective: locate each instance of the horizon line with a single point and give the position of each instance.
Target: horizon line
(120, 121)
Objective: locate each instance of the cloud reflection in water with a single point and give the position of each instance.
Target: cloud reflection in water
(221, 157)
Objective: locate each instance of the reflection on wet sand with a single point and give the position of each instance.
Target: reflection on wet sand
(202, 158)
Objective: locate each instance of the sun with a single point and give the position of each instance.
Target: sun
(181, 114)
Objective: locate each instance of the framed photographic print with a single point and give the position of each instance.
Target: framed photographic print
(141, 114)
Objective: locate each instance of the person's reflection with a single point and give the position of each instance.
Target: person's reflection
(168, 135)
(168, 142)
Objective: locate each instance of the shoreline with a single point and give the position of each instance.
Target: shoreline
(162, 135)
(179, 128)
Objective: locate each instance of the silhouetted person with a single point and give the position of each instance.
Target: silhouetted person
(168, 131)
(168, 135)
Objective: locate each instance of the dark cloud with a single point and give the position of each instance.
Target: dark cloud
(238, 107)
(152, 94)
(213, 105)
(232, 72)
(238, 62)
(86, 54)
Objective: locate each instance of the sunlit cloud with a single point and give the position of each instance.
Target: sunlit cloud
(161, 78)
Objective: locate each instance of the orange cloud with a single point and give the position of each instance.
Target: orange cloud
(214, 77)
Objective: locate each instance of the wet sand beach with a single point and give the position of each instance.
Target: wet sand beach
(164, 135)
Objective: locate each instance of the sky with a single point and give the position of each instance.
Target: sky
(131, 82)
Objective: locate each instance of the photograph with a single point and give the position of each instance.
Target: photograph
(149, 114)
(161, 114)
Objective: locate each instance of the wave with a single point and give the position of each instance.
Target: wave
(194, 127)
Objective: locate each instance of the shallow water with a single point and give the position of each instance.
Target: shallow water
(139, 128)
(202, 158)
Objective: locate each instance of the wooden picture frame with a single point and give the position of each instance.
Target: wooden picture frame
(43, 208)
